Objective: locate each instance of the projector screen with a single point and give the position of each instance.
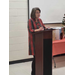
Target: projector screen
(52, 11)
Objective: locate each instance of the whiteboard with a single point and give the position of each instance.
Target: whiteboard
(52, 11)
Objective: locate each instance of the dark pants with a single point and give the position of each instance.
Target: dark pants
(33, 66)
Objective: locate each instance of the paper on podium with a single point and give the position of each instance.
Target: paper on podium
(56, 27)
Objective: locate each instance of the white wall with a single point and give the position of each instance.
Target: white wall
(18, 33)
(52, 11)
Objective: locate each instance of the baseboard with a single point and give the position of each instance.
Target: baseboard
(28, 60)
(59, 55)
(20, 61)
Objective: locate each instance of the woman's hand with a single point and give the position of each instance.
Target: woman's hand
(48, 27)
(40, 29)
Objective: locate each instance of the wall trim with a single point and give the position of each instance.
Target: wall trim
(20, 61)
(51, 23)
(28, 9)
(59, 55)
(28, 60)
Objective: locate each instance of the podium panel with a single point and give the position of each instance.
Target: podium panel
(43, 52)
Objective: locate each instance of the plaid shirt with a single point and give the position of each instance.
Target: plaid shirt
(32, 25)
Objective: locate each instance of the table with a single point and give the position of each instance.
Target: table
(58, 47)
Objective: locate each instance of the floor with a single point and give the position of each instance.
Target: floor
(25, 68)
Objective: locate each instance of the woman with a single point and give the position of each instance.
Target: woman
(35, 24)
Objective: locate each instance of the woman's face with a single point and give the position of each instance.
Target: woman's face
(37, 14)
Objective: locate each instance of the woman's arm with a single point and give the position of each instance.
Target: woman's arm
(36, 30)
(40, 29)
(31, 29)
(30, 26)
(44, 25)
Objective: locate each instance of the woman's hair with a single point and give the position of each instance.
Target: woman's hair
(33, 12)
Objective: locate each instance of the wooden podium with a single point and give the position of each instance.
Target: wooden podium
(43, 52)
